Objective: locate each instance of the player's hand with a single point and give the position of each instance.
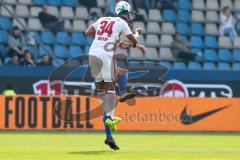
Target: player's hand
(142, 48)
(138, 30)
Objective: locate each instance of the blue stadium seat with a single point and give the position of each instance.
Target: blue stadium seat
(199, 52)
(48, 37)
(236, 55)
(169, 15)
(166, 64)
(54, 2)
(89, 41)
(236, 66)
(32, 49)
(75, 51)
(184, 38)
(63, 38)
(42, 50)
(209, 66)
(225, 55)
(2, 48)
(2, 51)
(211, 42)
(197, 29)
(194, 66)
(5, 23)
(184, 4)
(86, 50)
(3, 37)
(36, 36)
(184, 16)
(70, 3)
(180, 66)
(7, 61)
(196, 42)
(210, 55)
(39, 2)
(196, 50)
(224, 67)
(78, 38)
(61, 51)
(58, 63)
(183, 28)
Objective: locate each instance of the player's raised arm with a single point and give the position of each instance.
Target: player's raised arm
(132, 38)
(128, 45)
(90, 31)
(133, 42)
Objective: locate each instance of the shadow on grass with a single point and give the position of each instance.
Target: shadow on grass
(99, 152)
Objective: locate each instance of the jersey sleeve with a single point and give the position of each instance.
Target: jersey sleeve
(125, 29)
(95, 24)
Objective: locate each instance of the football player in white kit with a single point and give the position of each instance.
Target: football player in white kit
(107, 30)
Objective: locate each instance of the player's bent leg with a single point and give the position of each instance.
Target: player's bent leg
(122, 79)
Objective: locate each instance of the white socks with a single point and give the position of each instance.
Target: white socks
(109, 102)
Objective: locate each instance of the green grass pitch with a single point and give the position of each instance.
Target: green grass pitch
(133, 146)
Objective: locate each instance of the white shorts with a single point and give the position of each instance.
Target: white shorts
(102, 67)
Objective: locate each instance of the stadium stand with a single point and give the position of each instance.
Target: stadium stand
(196, 20)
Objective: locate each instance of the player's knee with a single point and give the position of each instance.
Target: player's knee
(110, 86)
(100, 86)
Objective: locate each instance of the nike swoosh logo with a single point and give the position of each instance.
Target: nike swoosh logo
(188, 119)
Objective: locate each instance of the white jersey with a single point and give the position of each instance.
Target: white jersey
(108, 30)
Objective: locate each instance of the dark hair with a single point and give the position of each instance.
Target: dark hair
(45, 55)
(27, 51)
(14, 55)
(177, 33)
(15, 28)
(225, 9)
